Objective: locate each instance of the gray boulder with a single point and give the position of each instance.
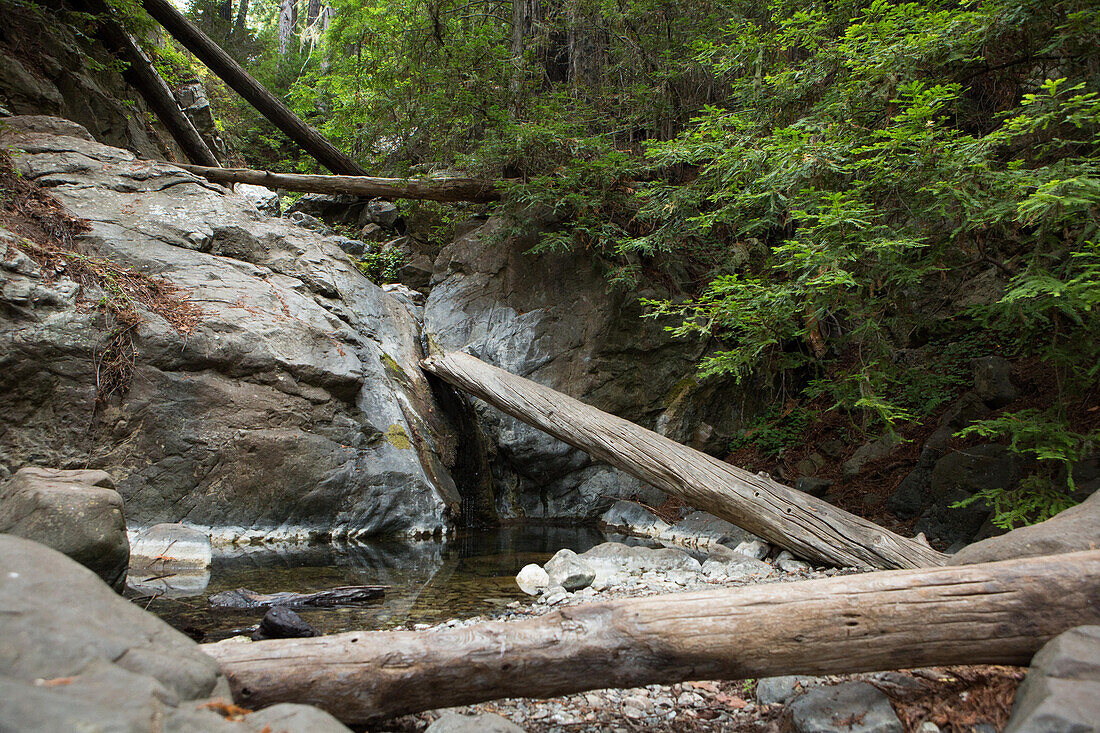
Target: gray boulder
(295, 407)
(75, 512)
(171, 547)
(700, 530)
(634, 519)
(780, 690)
(569, 571)
(1076, 528)
(850, 707)
(381, 212)
(293, 718)
(959, 475)
(117, 667)
(993, 381)
(1062, 691)
(870, 451)
(484, 723)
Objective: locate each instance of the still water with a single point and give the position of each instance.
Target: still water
(470, 574)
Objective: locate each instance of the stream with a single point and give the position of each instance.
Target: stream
(469, 574)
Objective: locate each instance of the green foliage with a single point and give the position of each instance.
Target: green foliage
(776, 430)
(382, 265)
(1046, 440)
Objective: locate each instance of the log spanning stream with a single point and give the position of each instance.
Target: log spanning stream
(472, 574)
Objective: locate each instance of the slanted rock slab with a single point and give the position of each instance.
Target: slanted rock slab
(1062, 691)
(1076, 528)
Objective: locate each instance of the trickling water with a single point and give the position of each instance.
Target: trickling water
(469, 575)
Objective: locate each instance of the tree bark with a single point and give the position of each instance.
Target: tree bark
(430, 189)
(143, 76)
(994, 613)
(288, 18)
(803, 524)
(242, 82)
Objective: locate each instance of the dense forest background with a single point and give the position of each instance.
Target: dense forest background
(852, 200)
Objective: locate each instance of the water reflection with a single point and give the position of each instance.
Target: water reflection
(470, 574)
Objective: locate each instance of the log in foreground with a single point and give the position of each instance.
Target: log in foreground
(240, 81)
(799, 522)
(993, 613)
(429, 189)
(348, 595)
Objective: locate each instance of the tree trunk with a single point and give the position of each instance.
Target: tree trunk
(288, 18)
(242, 82)
(430, 189)
(143, 76)
(240, 25)
(803, 524)
(995, 613)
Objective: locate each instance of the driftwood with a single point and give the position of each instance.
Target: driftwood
(431, 189)
(993, 613)
(803, 524)
(240, 81)
(348, 595)
(143, 76)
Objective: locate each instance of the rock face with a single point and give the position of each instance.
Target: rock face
(1062, 691)
(63, 75)
(1077, 528)
(295, 407)
(75, 512)
(551, 318)
(959, 475)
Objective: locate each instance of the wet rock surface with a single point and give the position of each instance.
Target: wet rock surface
(295, 407)
(282, 623)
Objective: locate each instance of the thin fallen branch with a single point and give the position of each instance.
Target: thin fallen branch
(993, 613)
(803, 524)
(430, 189)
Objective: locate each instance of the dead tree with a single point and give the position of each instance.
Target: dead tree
(431, 189)
(803, 524)
(993, 613)
(242, 82)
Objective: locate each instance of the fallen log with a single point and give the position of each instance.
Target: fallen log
(430, 189)
(993, 613)
(348, 595)
(805, 525)
(240, 81)
(144, 77)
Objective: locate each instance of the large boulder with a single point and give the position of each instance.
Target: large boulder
(958, 476)
(552, 318)
(295, 407)
(105, 662)
(75, 512)
(1076, 528)
(1062, 691)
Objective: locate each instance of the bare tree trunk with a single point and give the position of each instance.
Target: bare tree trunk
(803, 524)
(994, 613)
(430, 189)
(240, 25)
(288, 19)
(143, 76)
(242, 82)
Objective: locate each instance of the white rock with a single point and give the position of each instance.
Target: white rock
(755, 549)
(532, 579)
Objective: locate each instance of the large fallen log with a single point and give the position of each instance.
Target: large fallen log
(240, 81)
(995, 613)
(803, 524)
(430, 189)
